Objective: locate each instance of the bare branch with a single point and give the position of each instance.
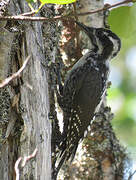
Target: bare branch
(15, 75)
(31, 13)
(25, 159)
(131, 175)
(17, 168)
(26, 16)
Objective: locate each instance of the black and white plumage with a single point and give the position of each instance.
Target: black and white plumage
(83, 88)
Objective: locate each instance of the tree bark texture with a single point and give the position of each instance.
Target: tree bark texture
(103, 156)
(27, 101)
(24, 104)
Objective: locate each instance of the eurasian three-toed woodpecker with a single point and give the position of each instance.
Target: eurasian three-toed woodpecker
(84, 87)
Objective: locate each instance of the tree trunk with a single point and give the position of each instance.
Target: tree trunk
(24, 122)
(26, 102)
(103, 156)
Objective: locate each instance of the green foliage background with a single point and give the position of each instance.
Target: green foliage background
(122, 95)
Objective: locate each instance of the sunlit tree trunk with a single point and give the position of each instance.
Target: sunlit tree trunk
(103, 156)
(26, 102)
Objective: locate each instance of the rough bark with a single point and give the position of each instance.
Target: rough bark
(27, 101)
(103, 156)
(24, 122)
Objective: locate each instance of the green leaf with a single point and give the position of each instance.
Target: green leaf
(121, 21)
(57, 1)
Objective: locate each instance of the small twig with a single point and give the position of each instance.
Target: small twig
(25, 16)
(131, 175)
(31, 13)
(15, 75)
(25, 159)
(17, 168)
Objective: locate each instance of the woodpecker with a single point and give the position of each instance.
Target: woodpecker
(84, 87)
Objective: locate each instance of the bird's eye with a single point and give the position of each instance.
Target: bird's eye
(99, 33)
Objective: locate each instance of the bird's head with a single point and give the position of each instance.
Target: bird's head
(104, 41)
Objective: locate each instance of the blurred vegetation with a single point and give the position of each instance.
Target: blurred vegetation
(122, 94)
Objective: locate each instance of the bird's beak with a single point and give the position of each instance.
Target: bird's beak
(90, 31)
(86, 29)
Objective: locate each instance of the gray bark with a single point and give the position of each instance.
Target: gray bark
(24, 122)
(27, 101)
(103, 156)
